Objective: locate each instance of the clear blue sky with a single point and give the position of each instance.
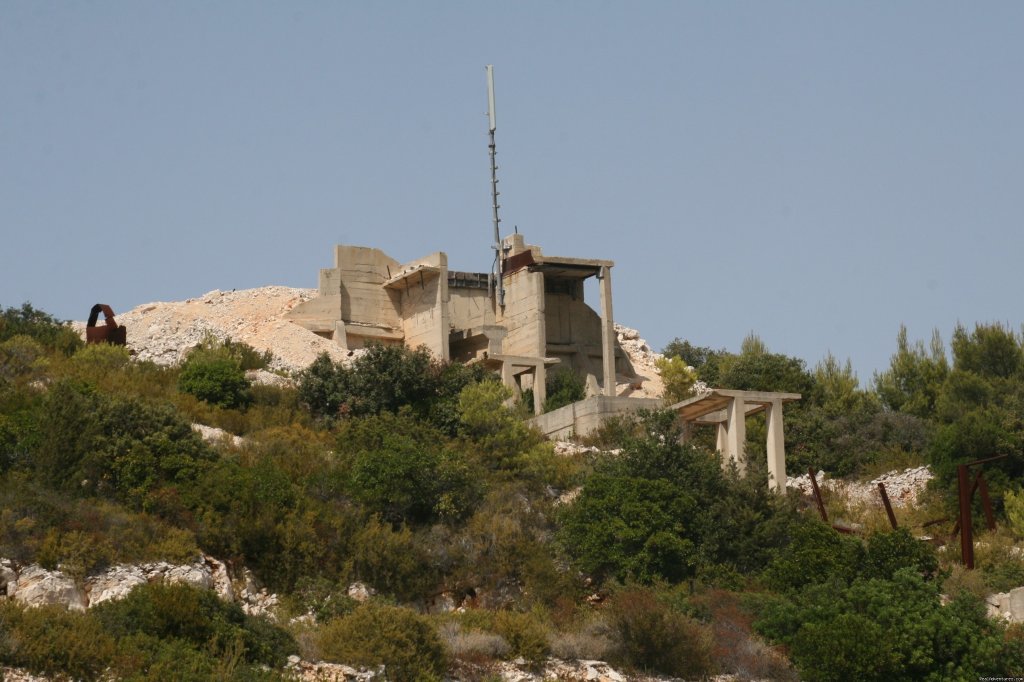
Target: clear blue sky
(815, 172)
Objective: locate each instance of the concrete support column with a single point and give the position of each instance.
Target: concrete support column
(540, 387)
(736, 414)
(508, 377)
(776, 447)
(722, 439)
(607, 331)
(340, 336)
(444, 324)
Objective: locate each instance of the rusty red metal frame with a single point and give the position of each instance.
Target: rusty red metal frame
(888, 506)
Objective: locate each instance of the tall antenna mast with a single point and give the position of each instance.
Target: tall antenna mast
(498, 288)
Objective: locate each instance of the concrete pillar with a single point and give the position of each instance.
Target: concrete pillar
(722, 439)
(776, 447)
(444, 323)
(540, 387)
(736, 414)
(607, 331)
(340, 336)
(508, 377)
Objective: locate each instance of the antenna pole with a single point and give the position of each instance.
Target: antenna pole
(499, 261)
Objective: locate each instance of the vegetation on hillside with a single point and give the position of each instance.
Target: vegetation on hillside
(422, 480)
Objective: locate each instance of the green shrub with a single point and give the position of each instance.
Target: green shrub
(52, 640)
(43, 327)
(816, 554)
(216, 377)
(115, 446)
(247, 356)
(895, 629)
(564, 387)
(387, 379)
(374, 634)
(197, 617)
(889, 552)
(527, 634)
(630, 528)
(404, 470)
(391, 561)
(653, 636)
(98, 362)
(678, 378)
(22, 358)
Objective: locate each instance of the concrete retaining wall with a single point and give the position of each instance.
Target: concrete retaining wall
(585, 416)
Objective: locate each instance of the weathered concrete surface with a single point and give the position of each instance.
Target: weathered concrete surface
(586, 416)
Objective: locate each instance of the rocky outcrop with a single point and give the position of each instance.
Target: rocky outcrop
(114, 583)
(262, 377)
(36, 586)
(330, 672)
(360, 591)
(211, 434)
(1007, 605)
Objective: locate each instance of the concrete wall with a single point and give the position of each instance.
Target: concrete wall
(469, 308)
(586, 416)
(361, 271)
(523, 315)
(424, 306)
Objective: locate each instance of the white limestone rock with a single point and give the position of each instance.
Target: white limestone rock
(8, 577)
(114, 583)
(220, 578)
(360, 591)
(214, 435)
(37, 586)
(197, 575)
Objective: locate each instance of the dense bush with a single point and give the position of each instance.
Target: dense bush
(52, 640)
(895, 629)
(374, 634)
(653, 636)
(663, 510)
(48, 331)
(215, 376)
(678, 378)
(197, 617)
(117, 447)
(564, 387)
(405, 470)
(385, 379)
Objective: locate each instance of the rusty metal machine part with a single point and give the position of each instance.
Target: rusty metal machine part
(110, 332)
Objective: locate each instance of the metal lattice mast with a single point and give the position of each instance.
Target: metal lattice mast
(498, 289)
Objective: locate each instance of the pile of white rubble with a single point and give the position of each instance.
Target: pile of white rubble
(902, 487)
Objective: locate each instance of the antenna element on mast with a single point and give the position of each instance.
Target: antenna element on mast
(498, 288)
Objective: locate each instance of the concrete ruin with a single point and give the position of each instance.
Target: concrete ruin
(370, 297)
(727, 410)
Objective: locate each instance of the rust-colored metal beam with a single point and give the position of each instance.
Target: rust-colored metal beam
(817, 494)
(986, 460)
(888, 506)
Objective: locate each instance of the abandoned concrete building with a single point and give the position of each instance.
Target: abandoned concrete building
(538, 320)
(543, 323)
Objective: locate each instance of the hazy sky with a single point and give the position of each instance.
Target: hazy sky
(816, 172)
